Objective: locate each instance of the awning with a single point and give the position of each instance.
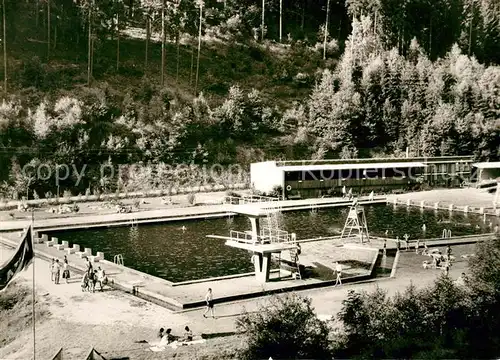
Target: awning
(369, 166)
(487, 165)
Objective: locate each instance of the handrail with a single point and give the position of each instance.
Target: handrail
(252, 199)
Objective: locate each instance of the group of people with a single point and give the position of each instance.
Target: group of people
(167, 337)
(55, 270)
(438, 260)
(92, 277)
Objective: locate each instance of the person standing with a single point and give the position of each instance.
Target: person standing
(338, 271)
(88, 266)
(101, 275)
(448, 252)
(209, 299)
(417, 245)
(51, 269)
(57, 271)
(65, 274)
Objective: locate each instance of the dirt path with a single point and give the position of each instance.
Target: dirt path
(111, 321)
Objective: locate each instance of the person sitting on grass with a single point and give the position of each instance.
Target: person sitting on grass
(188, 335)
(161, 333)
(170, 337)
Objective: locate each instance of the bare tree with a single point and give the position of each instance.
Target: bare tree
(200, 2)
(162, 42)
(117, 42)
(281, 19)
(263, 14)
(4, 49)
(48, 30)
(326, 28)
(90, 43)
(148, 38)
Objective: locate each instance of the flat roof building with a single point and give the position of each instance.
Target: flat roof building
(302, 179)
(486, 171)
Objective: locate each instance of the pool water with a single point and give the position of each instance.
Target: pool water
(180, 251)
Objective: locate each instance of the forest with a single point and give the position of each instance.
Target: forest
(232, 82)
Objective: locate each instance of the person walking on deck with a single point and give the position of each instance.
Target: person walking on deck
(209, 299)
(338, 271)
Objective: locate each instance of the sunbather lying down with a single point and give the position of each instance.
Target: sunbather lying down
(162, 344)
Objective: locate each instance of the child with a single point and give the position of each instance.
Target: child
(188, 335)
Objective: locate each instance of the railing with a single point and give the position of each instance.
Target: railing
(118, 259)
(234, 200)
(275, 235)
(240, 236)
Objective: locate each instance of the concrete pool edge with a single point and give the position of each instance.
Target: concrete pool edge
(187, 297)
(137, 288)
(81, 222)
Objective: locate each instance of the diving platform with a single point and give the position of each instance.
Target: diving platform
(263, 208)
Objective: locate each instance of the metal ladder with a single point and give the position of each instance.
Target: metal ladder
(118, 259)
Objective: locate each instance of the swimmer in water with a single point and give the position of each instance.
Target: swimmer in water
(183, 228)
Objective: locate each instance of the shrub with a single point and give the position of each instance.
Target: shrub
(287, 329)
(277, 191)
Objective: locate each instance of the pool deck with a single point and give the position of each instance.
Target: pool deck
(172, 214)
(178, 296)
(188, 295)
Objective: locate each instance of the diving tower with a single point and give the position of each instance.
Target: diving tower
(264, 239)
(356, 224)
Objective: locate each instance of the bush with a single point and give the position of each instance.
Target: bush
(277, 191)
(287, 329)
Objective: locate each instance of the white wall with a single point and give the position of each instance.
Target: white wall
(265, 175)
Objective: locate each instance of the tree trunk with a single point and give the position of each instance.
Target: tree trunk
(303, 15)
(92, 57)
(4, 49)
(199, 48)
(263, 13)
(48, 30)
(148, 36)
(470, 28)
(281, 20)
(89, 45)
(326, 28)
(162, 42)
(55, 36)
(430, 38)
(117, 42)
(177, 44)
(192, 66)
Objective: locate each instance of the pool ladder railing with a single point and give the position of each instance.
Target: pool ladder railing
(118, 259)
(446, 234)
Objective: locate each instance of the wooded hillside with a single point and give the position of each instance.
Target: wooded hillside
(92, 82)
